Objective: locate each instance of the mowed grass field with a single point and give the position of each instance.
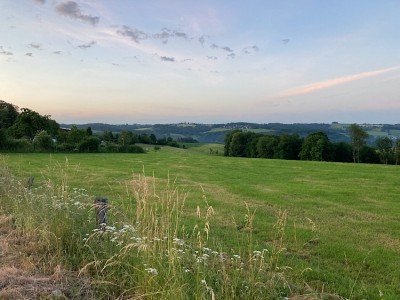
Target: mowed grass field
(342, 233)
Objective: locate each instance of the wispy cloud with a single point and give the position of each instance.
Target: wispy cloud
(138, 35)
(164, 36)
(250, 50)
(214, 46)
(4, 52)
(72, 10)
(144, 38)
(167, 33)
(180, 34)
(35, 46)
(322, 85)
(86, 46)
(135, 34)
(166, 58)
(227, 49)
(202, 39)
(40, 1)
(231, 52)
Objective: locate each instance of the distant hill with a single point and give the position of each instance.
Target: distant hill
(215, 133)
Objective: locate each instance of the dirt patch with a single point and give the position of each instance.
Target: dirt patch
(20, 278)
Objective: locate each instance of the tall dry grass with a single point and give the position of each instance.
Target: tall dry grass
(154, 254)
(147, 250)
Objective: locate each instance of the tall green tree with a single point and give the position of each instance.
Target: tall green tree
(76, 135)
(385, 148)
(358, 137)
(146, 139)
(125, 138)
(316, 146)
(89, 143)
(107, 136)
(228, 141)
(369, 155)
(8, 114)
(29, 123)
(3, 139)
(43, 141)
(289, 147)
(238, 143)
(153, 139)
(62, 136)
(242, 144)
(89, 131)
(342, 152)
(267, 146)
(396, 150)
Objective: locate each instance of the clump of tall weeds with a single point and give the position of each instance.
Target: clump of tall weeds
(151, 252)
(147, 249)
(48, 213)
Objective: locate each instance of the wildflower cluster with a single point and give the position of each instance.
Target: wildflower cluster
(153, 250)
(203, 266)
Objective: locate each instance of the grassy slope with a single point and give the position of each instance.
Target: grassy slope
(343, 219)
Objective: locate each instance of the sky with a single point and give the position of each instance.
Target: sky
(209, 61)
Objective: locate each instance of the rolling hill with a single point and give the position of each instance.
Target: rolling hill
(215, 133)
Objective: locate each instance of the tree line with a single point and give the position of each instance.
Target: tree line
(315, 147)
(24, 130)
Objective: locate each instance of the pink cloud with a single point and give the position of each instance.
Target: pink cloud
(317, 86)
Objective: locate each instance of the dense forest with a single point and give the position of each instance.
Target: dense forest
(316, 147)
(24, 130)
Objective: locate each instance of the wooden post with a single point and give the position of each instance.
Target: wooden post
(101, 212)
(30, 182)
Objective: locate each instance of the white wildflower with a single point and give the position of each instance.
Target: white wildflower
(110, 228)
(152, 271)
(179, 242)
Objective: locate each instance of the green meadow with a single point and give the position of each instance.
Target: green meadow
(335, 227)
